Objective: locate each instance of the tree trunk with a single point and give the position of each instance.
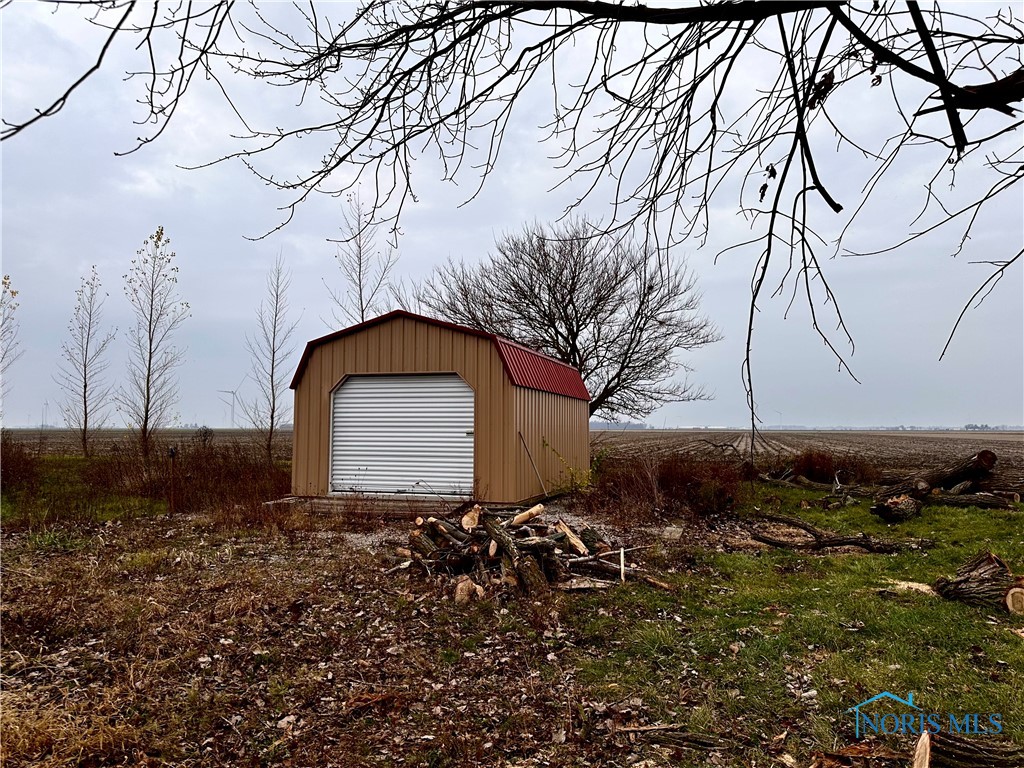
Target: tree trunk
(946, 750)
(984, 581)
(921, 483)
(980, 500)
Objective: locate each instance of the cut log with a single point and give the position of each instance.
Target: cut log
(897, 509)
(1008, 495)
(526, 567)
(471, 519)
(979, 500)
(527, 516)
(918, 485)
(486, 548)
(448, 531)
(947, 750)
(984, 581)
(964, 487)
(1015, 597)
(594, 543)
(419, 542)
(570, 536)
(822, 539)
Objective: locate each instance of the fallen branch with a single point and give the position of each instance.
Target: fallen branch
(979, 500)
(822, 539)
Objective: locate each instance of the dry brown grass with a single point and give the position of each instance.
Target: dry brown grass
(650, 488)
(181, 641)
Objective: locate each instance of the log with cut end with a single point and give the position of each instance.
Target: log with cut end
(593, 541)
(471, 519)
(984, 581)
(524, 517)
(570, 536)
(485, 548)
(897, 509)
(526, 567)
(947, 750)
(420, 542)
(920, 484)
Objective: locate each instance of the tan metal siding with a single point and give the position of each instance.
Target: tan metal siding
(392, 348)
(555, 429)
(551, 425)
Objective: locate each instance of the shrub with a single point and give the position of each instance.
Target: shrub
(19, 467)
(822, 467)
(647, 488)
(233, 478)
(211, 476)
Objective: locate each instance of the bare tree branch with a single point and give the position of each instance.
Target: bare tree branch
(614, 309)
(365, 269)
(10, 346)
(648, 114)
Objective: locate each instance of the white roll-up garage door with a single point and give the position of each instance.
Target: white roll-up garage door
(403, 434)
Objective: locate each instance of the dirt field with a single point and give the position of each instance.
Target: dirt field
(898, 452)
(65, 442)
(903, 451)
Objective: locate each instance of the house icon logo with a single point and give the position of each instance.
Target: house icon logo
(873, 721)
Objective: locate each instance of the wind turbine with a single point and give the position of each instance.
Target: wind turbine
(234, 398)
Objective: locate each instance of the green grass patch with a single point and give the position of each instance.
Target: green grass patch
(765, 640)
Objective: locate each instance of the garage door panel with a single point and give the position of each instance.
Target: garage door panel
(403, 434)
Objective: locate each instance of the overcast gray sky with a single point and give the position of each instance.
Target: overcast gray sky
(68, 203)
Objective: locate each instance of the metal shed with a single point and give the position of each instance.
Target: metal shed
(408, 405)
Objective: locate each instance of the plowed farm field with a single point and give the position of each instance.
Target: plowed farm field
(897, 452)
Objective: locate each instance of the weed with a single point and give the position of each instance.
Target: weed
(824, 466)
(54, 540)
(649, 488)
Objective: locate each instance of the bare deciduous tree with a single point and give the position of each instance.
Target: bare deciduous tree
(82, 375)
(10, 347)
(615, 309)
(151, 389)
(365, 268)
(269, 348)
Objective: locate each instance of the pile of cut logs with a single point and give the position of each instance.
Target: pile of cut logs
(486, 549)
(956, 485)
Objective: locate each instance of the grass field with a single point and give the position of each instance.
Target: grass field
(229, 634)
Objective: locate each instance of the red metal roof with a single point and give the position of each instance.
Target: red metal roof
(533, 370)
(525, 367)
